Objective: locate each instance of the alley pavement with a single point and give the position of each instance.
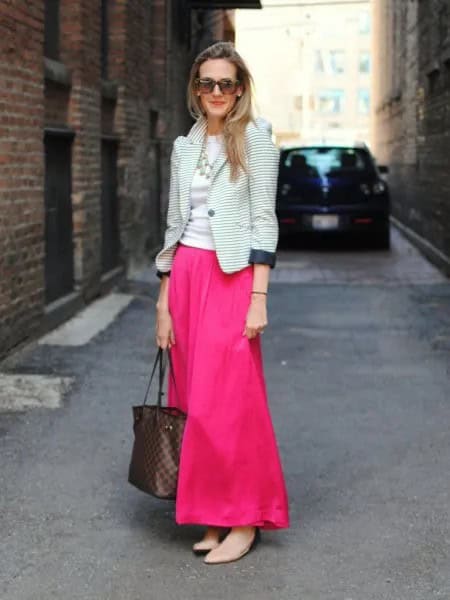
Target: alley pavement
(357, 367)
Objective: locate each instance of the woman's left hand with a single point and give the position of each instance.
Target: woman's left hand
(256, 317)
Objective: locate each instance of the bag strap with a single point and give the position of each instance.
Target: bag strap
(155, 364)
(162, 370)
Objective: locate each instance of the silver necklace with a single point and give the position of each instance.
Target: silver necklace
(204, 167)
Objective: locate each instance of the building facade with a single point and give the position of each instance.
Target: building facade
(411, 124)
(92, 93)
(312, 67)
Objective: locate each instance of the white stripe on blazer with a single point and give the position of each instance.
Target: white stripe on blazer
(242, 212)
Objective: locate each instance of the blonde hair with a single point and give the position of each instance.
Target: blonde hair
(241, 113)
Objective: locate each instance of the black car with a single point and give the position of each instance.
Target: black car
(333, 189)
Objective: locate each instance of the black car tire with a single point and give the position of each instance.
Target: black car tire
(382, 239)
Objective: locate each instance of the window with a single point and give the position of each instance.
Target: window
(318, 63)
(327, 161)
(363, 102)
(364, 22)
(181, 21)
(433, 80)
(330, 61)
(298, 102)
(331, 101)
(337, 61)
(51, 37)
(364, 62)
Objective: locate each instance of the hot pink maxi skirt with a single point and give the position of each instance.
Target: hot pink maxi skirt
(230, 470)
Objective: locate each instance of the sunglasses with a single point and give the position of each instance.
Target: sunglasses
(207, 85)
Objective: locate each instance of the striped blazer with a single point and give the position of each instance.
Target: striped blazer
(241, 213)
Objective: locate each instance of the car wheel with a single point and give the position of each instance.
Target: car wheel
(382, 239)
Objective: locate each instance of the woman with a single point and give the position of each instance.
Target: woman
(214, 267)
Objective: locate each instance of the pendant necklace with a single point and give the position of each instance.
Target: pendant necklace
(204, 167)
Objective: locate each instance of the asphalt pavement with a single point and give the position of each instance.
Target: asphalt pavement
(358, 375)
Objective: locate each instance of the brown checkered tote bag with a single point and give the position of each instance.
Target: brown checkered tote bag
(158, 432)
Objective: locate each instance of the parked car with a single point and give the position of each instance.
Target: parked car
(333, 189)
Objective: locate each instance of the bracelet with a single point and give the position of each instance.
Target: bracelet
(255, 292)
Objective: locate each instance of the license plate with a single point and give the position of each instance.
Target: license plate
(325, 221)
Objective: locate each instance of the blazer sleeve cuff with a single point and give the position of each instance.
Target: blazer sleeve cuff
(161, 273)
(262, 257)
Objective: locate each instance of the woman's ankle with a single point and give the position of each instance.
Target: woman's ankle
(212, 531)
(247, 529)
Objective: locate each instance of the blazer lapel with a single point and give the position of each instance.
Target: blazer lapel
(190, 154)
(189, 159)
(188, 163)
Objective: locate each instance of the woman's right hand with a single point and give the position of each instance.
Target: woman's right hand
(165, 337)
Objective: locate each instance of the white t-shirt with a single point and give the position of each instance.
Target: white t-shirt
(198, 231)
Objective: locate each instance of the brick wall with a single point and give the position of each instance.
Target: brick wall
(21, 169)
(130, 67)
(412, 118)
(136, 103)
(80, 43)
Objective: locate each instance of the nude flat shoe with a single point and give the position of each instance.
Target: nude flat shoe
(203, 547)
(216, 558)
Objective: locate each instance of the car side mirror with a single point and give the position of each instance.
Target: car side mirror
(384, 170)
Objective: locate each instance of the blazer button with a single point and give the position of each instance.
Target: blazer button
(211, 212)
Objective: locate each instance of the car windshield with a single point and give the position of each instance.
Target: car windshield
(326, 162)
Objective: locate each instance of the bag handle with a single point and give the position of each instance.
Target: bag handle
(155, 364)
(162, 370)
